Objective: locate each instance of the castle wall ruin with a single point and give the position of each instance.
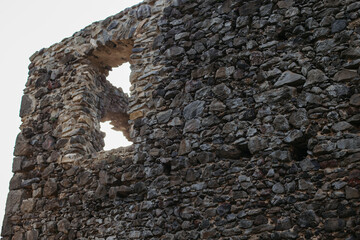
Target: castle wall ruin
(244, 118)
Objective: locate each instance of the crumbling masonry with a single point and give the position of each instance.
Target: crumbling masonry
(244, 118)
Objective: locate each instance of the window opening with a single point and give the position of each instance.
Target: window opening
(118, 77)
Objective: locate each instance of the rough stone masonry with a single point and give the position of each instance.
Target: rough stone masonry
(244, 118)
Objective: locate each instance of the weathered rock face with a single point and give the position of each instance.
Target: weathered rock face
(244, 117)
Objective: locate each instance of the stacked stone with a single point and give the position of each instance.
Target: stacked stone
(244, 117)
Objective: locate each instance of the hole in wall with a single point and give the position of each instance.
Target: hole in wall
(299, 151)
(120, 78)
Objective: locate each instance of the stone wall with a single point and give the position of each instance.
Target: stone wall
(244, 117)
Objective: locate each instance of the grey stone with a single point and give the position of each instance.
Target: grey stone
(278, 188)
(306, 165)
(185, 147)
(315, 76)
(325, 45)
(221, 91)
(191, 175)
(22, 146)
(299, 118)
(345, 75)
(266, 9)
(281, 123)
(291, 12)
(28, 205)
(18, 236)
(257, 144)
(355, 100)
(294, 136)
(354, 119)
(164, 117)
(353, 143)
(223, 209)
(305, 185)
(217, 106)
(351, 193)
(339, 185)
(104, 178)
(50, 187)
(313, 99)
(17, 164)
(341, 126)
(27, 106)
(135, 235)
(224, 72)
(290, 187)
(32, 235)
(352, 53)
(283, 224)
(249, 8)
(320, 195)
(334, 225)
(194, 109)
(14, 200)
(49, 143)
(337, 90)
(308, 218)
(338, 25)
(353, 6)
(63, 225)
(285, 3)
(281, 155)
(324, 148)
(291, 79)
(113, 25)
(174, 52)
(244, 223)
(144, 11)
(275, 95)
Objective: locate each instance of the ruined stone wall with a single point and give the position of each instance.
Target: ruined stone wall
(244, 117)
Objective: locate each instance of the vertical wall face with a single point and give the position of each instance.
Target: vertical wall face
(244, 117)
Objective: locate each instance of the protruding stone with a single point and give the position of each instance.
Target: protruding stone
(22, 146)
(275, 95)
(63, 226)
(194, 109)
(185, 147)
(256, 144)
(278, 188)
(352, 193)
(50, 187)
(338, 25)
(32, 235)
(27, 106)
(315, 76)
(334, 225)
(174, 52)
(345, 75)
(14, 201)
(299, 118)
(341, 126)
(307, 219)
(355, 100)
(281, 123)
(291, 79)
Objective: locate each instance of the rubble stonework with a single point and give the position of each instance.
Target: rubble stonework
(244, 118)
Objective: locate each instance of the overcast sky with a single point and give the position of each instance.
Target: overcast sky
(28, 26)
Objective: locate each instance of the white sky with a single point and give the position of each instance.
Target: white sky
(27, 26)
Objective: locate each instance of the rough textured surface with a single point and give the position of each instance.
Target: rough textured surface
(244, 117)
